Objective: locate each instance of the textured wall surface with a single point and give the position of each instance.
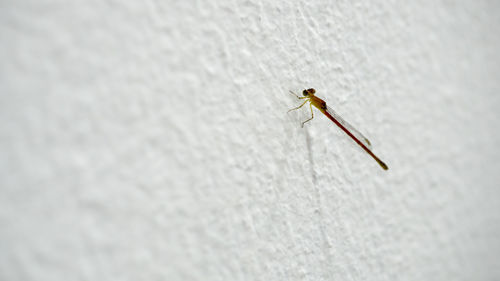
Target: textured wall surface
(149, 140)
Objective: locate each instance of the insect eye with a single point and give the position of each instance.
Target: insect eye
(305, 93)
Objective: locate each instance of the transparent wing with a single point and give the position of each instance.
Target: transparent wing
(349, 127)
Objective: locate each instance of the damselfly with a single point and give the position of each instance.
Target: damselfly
(332, 115)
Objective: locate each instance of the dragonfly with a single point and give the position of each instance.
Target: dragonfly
(309, 96)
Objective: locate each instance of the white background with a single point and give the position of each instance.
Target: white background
(149, 140)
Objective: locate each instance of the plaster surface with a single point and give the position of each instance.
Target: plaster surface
(149, 140)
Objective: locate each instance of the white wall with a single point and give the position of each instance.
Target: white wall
(149, 140)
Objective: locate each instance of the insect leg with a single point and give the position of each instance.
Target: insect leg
(298, 106)
(312, 115)
(300, 98)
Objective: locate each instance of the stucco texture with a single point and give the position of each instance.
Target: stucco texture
(150, 140)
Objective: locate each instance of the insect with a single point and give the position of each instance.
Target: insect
(330, 113)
